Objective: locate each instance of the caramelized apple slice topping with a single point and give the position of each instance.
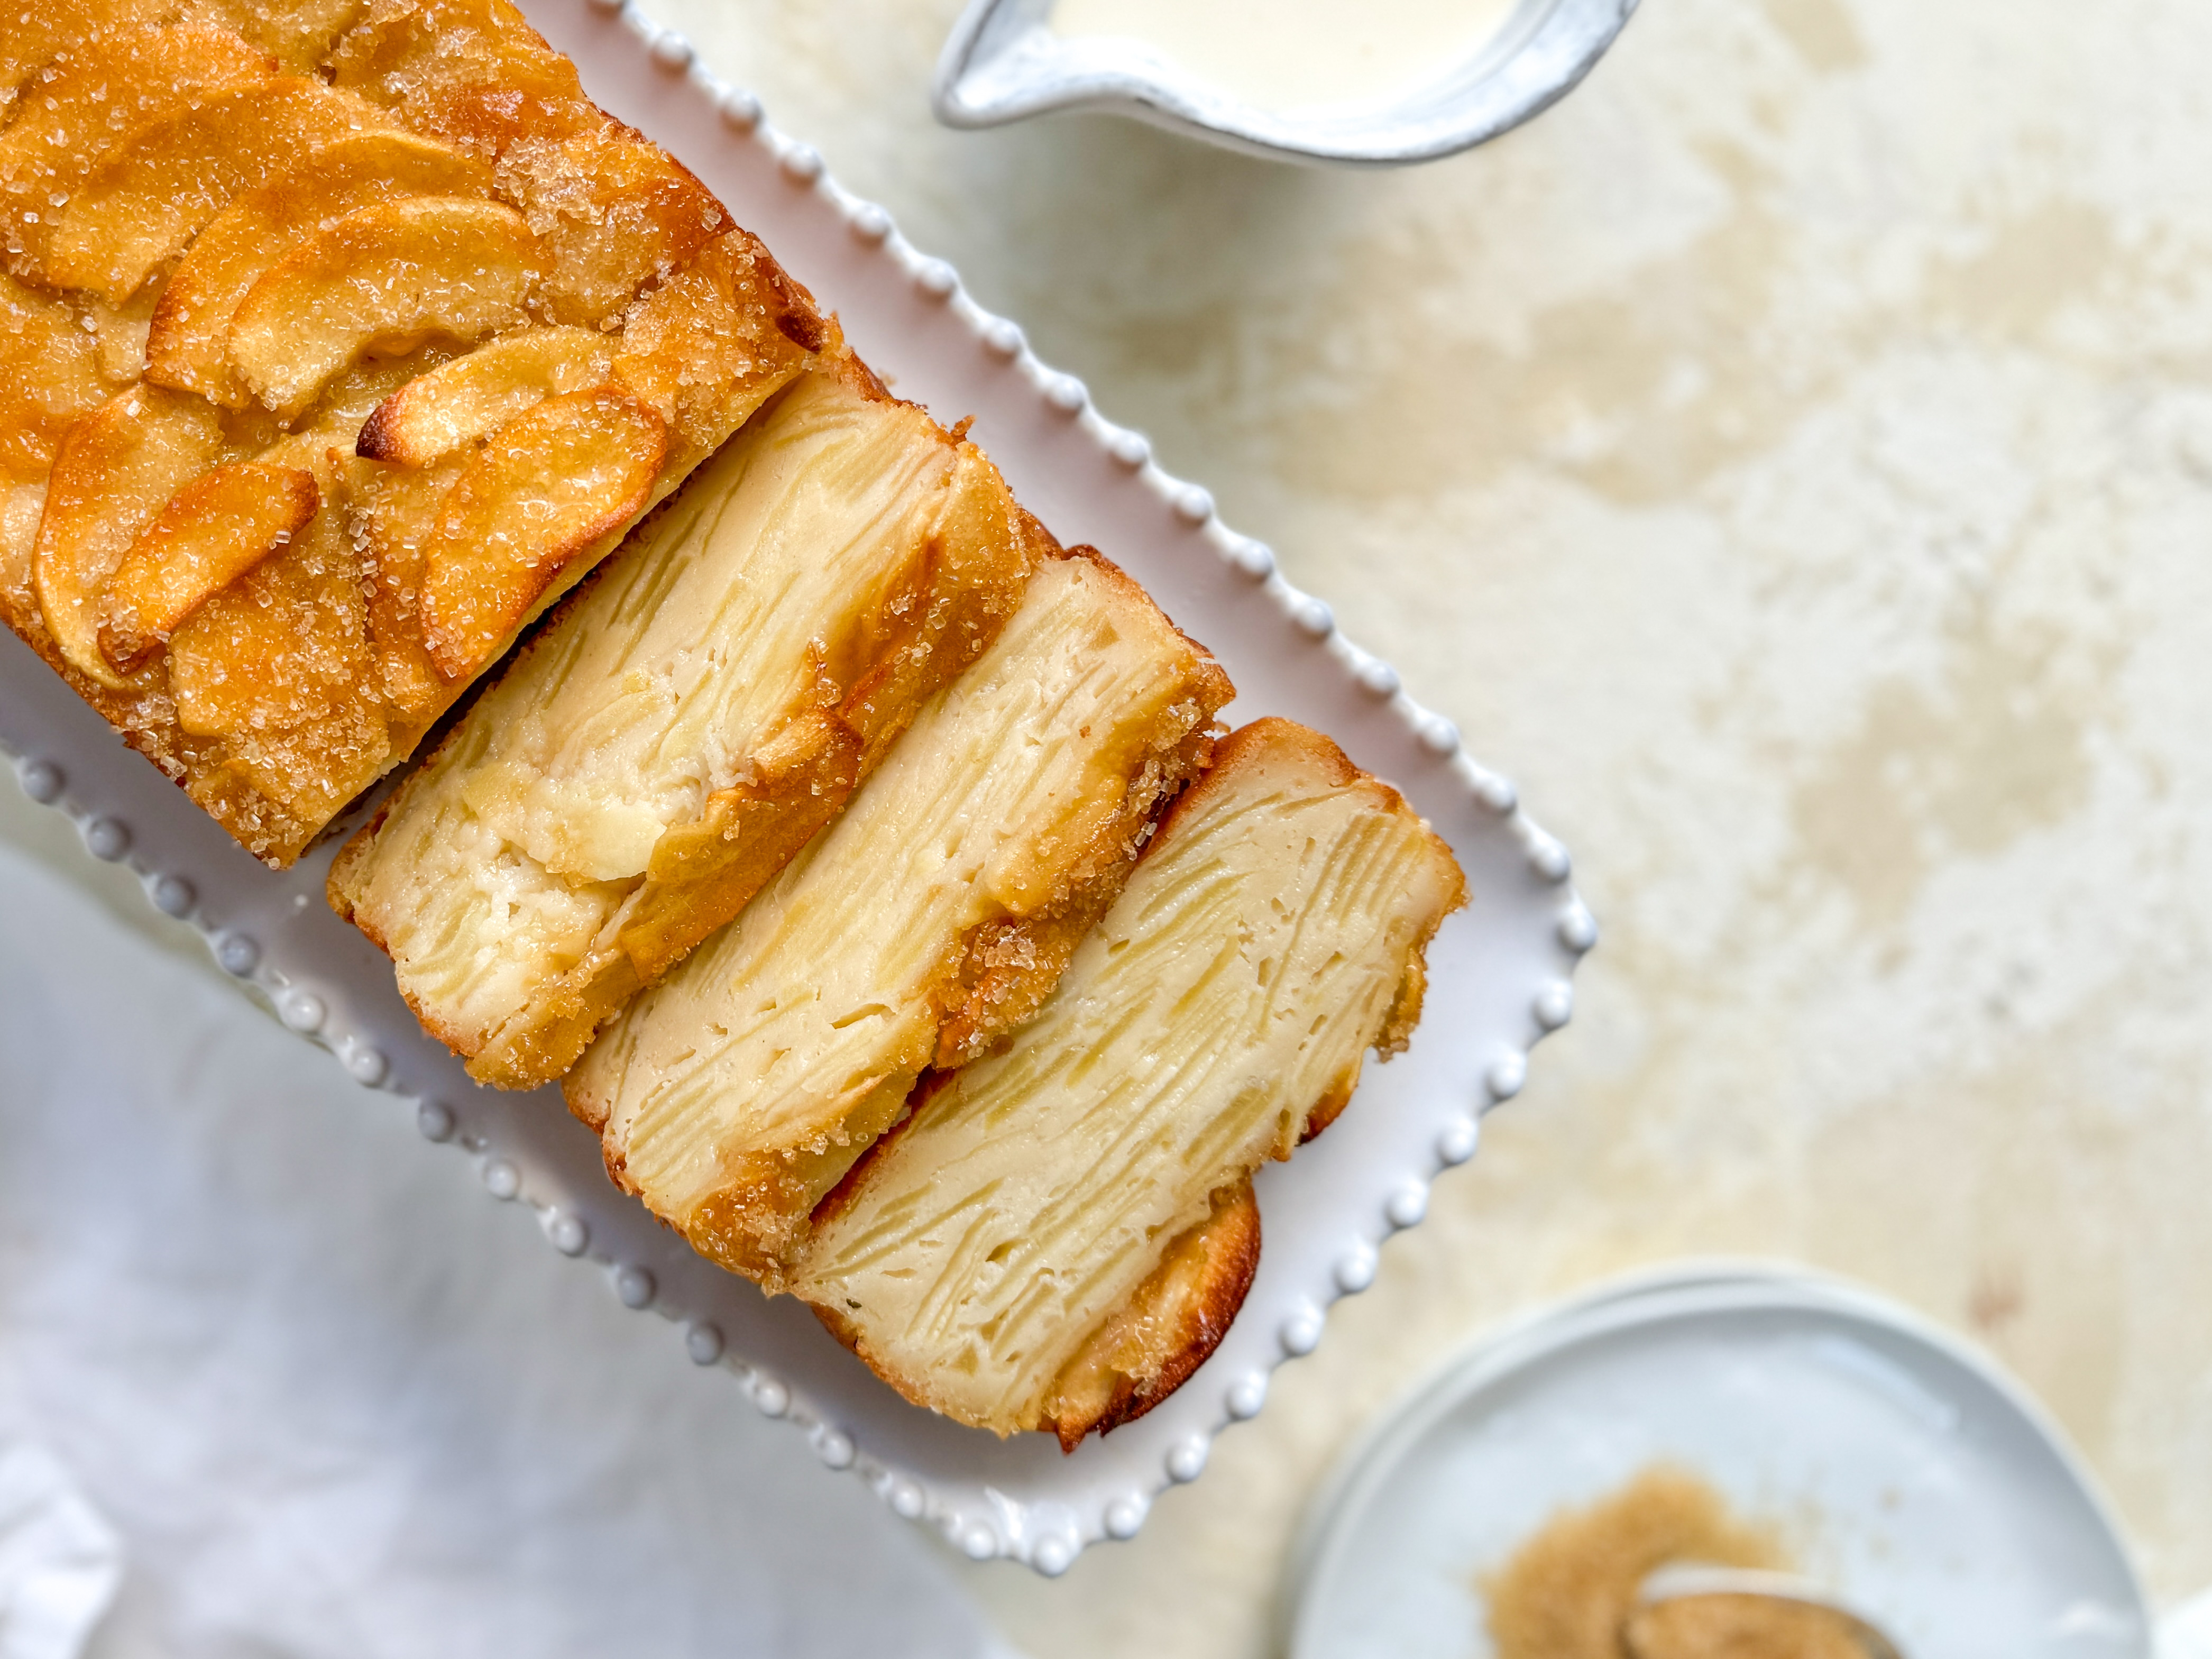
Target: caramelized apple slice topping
(49, 375)
(37, 34)
(394, 512)
(285, 646)
(300, 32)
(19, 533)
(473, 71)
(708, 345)
(88, 100)
(463, 400)
(188, 342)
(552, 481)
(116, 468)
(213, 531)
(311, 770)
(615, 211)
(155, 189)
(389, 276)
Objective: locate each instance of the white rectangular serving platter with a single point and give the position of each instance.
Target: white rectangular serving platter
(1500, 970)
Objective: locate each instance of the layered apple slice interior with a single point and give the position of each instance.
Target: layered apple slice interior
(686, 721)
(930, 918)
(1062, 1230)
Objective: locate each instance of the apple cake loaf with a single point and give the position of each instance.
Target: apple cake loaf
(1061, 1231)
(933, 915)
(337, 339)
(687, 719)
(871, 870)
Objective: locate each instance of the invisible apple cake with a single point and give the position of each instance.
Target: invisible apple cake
(337, 339)
(695, 713)
(873, 869)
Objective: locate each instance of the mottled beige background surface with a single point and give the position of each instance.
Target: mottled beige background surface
(1791, 460)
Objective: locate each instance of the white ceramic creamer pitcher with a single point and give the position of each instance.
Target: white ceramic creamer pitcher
(1009, 59)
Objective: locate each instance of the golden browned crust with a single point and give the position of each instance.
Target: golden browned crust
(758, 1216)
(611, 232)
(1330, 1106)
(702, 873)
(1251, 744)
(960, 603)
(1149, 1347)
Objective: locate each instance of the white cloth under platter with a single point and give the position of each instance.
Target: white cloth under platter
(338, 1404)
(60, 1560)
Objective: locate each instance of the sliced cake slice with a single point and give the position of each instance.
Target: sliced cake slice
(1062, 1230)
(929, 919)
(689, 718)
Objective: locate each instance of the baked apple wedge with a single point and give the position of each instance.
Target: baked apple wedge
(932, 916)
(386, 276)
(616, 212)
(459, 401)
(210, 532)
(694, 346)
(682, 726)
(187, 341)
(85, 102)
(37, 34)
(116, 469)
(472, 71)
(50, 373)
(156, 188)
(1010, 1253)
(552, 483)
(271, 668)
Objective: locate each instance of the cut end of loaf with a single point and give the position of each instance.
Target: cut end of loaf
(1045, 1241)
(1145, 1349)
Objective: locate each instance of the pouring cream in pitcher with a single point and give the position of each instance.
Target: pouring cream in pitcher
(1287, 54)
